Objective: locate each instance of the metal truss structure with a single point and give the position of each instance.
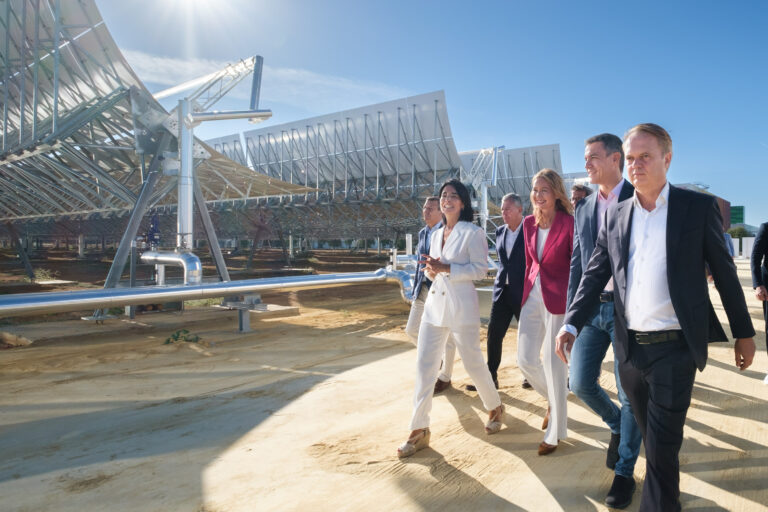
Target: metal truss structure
(514, 169)
(371, 166)
(84, 147)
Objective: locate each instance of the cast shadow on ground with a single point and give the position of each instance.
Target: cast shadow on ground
(519, 438)
(201, 424)
(450, 487)
(741, 468)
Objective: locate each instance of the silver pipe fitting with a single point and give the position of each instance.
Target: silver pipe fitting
(193, 269)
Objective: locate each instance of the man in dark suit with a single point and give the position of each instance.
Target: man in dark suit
(508, 286)
(432, 220)
(579, 192)
(759, 264)
(654, 246)
(604, 162)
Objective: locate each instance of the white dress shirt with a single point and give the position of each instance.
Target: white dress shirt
(510, 237)
(648, 303)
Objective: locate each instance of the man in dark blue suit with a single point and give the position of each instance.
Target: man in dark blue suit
(508, 286)
(759, 265)
(432, 220)
(654, 247)
(604, 162)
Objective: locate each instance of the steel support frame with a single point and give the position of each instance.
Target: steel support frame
(337, 161)
(23, 256)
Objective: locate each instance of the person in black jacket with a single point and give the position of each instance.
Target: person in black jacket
(508, 286)
(759, 264)
(654, 246)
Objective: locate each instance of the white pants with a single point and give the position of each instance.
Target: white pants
(430, 347)
(538, 329)
(412, 330)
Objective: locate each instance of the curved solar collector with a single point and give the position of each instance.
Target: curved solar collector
(79, 129)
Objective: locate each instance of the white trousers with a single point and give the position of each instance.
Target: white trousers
(537, 330)
(412, 330)
(430, 347)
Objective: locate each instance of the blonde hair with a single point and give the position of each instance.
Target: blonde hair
(555, 181)
(660, 134)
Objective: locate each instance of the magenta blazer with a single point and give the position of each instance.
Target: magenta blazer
(555, 264)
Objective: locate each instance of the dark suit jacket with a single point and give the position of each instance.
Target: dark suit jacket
(694, 236)
(512, 266)
(759, 261)
(585, 235)
(420, 279)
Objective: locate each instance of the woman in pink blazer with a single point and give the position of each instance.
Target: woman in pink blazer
(548, 235)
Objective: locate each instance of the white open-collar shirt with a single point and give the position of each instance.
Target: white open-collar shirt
(648, 303)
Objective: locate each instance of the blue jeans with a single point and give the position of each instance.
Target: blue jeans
(586, 358)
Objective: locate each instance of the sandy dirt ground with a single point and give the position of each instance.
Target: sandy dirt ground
(306, 413)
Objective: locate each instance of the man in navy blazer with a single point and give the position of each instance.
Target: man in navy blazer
(759, 265)
(604, 162)
(654, 247)
(508, 286)
(432, 220)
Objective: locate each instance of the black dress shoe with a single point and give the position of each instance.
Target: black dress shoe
(620, 495)
(526, 384)
(612, 457)
(441, 385)
(472, 387)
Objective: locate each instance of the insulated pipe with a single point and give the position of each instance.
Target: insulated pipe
(25, 304)
(193, 269)
(404, 279)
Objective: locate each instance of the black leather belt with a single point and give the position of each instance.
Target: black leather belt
(606, 297)
(652, 337)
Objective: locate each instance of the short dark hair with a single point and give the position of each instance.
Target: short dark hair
(582, 188)
(467, 213)
(432, 198)
(611, 143)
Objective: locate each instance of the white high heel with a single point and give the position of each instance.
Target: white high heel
(494, 422)
(414, 444)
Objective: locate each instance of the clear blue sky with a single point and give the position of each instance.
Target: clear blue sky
(516, 73)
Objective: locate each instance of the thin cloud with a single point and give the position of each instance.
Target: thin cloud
(313, 92)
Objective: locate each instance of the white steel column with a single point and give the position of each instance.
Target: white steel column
(184, 215)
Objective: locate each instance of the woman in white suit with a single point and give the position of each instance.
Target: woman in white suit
(458, 255)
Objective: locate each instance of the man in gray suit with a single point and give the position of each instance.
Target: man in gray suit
(604, 162)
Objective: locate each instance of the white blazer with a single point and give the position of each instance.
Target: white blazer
(452, 298)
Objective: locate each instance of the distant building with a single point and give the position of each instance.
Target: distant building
(737, 215)
(725, 206)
